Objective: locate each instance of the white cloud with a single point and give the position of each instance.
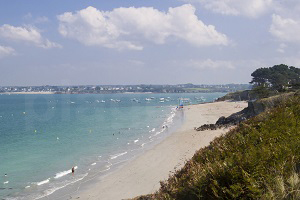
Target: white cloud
(128, 28)
(281, 48)
(210, 64)
(249, 8)
(27, 34)
(6, 51)
(37, 20)
(285, 29)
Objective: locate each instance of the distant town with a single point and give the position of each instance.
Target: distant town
(109, 89)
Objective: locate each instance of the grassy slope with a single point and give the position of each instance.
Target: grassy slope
(260, 159)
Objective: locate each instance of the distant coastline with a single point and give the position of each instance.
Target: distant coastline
(9, 93)
(123, 89)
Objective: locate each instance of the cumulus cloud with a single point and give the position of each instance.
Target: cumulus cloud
(210, 64)
(248, 8)
(27, 34)
(6, 51)
(285, 29)
(128, 28)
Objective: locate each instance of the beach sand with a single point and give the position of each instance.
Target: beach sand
(143, 174)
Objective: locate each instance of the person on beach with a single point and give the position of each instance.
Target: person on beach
(73, 170)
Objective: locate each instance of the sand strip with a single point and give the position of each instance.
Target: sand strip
(142, 175)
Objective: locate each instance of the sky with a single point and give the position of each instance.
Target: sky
(89, 42)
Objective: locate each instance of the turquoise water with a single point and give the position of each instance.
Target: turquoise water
(43, 136)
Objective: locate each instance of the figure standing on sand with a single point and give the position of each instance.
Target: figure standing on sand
(73, 170)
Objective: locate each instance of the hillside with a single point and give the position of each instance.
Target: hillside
(259, 159)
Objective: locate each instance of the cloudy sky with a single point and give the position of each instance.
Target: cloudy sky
(67, 42)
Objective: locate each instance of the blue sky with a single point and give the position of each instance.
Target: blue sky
(64, 42)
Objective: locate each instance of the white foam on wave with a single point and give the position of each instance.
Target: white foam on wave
(152, 130)
(5, 182)
(52, 190)
(64, 173)
(157, 133)
(43, 182)
(93, 164)
(118, 155)
(166, 123)
(135, 141)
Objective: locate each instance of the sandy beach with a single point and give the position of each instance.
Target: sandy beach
(143, 174)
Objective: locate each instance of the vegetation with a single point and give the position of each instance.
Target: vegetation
(268, 82)
(279, 77)
(259, 159)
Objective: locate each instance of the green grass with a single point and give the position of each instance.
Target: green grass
(260, 159)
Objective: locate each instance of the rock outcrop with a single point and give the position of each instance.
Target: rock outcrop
(254, 108)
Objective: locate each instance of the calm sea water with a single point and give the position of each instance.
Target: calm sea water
(43, 136)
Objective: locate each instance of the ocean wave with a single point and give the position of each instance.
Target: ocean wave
(43, 182)
(52, 190)
(64, 173)
(117, 155)
(152, 130)
(165, 124)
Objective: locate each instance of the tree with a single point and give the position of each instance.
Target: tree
(261, 77)
(279, 77)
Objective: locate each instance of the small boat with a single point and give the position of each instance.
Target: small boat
(135, 100)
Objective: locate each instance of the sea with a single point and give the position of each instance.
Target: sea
(42, 137)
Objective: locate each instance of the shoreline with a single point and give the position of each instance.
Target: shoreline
(142, 175)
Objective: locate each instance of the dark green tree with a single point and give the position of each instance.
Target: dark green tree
(279, 77)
